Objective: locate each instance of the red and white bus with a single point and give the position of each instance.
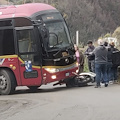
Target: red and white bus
(36, 34)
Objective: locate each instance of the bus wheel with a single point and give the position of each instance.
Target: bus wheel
(7, 82)
(33, 87)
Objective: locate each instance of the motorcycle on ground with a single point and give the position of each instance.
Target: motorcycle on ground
(81, 79)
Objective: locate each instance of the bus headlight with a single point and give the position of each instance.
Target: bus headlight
(53, 77)
(52, 70)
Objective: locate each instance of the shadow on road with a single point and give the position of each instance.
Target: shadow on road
(46, 90)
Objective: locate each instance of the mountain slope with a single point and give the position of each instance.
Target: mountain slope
(92, 18)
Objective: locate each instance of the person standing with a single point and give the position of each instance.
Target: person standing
(115, 61)
(109, 61)
(81, 68)
(109, 64)
(91, 57)
(80, 58)
(100, 53)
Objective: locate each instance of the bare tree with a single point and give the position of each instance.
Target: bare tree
(92, 18)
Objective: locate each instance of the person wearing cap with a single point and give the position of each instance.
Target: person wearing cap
(91, 57)
(100, 53)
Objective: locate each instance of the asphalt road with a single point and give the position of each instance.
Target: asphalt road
(61, 103)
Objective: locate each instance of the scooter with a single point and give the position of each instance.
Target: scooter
(84, 78)
(80, 79)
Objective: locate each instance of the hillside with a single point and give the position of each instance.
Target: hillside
(92, 18)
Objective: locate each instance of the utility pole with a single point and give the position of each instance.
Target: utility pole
(24, 1)
(77, 38)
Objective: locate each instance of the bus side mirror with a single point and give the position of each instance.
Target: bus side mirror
(45, 34)
(45, 31)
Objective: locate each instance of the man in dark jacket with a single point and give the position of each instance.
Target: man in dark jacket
(109, 61)
(100, 53)
(115, 61)
(91, 57)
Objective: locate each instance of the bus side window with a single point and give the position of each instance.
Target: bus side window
(7, 42)
(27, 46)
(26, 41)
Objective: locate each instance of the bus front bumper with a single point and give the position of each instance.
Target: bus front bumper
(60, 74)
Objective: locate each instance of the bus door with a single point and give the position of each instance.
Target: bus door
(29, 57)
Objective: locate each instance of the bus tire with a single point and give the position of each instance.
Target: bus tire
(33, 87)
(7, 82)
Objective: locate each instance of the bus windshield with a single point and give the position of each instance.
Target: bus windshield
(59, 36)
(58, 32)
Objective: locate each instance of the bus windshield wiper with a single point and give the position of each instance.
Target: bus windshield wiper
(58, 52)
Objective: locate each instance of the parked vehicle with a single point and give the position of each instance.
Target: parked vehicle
(35, 47)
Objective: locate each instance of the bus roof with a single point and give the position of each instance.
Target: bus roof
(24, 10)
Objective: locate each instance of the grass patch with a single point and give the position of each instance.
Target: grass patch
(86, 69)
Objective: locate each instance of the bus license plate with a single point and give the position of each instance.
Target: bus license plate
(67, 74)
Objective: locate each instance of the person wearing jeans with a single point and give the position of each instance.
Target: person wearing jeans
(115, 61)
(101, 71)
(109, 61)
(91, 65)
(100, 53)
(109, 70)
(91, 57)
(109, 64)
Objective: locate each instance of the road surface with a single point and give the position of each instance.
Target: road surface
(61, 103)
